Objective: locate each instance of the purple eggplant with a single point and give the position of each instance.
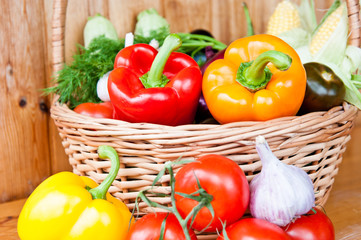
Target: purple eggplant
(218, 55)
(203, 114)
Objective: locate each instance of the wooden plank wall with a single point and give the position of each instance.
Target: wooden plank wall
(30, 148)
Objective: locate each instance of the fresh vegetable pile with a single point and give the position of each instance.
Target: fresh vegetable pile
(210, 194)
(155, 76)
(324, 44)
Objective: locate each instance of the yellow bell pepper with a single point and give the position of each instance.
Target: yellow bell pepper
(67, 206)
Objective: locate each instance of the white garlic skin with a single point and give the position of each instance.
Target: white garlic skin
(280, 192)
(129, 39)
(102, 88)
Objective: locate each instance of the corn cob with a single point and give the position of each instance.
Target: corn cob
(284, 18)
(326, 29)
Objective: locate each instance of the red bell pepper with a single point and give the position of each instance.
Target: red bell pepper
(155, 87)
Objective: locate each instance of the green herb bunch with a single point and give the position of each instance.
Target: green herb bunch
(76, 83)
(193, 43)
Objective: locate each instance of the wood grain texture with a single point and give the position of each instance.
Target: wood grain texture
(224, 19)
(24, 126)
(58, 159)
(8, 229)
(344, 203)
(9, 214)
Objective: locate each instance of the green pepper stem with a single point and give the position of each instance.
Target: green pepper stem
(279, 59)
(255, 75)
(154, 78)
(106, 152)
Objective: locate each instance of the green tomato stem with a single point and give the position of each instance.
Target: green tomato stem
(255, 75)
(106, 152)
(155, 77)
(183, 223)
(202, 197)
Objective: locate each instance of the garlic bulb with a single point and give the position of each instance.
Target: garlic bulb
(280, 192)
(102, 88)
(129, 39)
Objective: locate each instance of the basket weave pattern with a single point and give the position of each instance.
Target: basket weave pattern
(315, 141)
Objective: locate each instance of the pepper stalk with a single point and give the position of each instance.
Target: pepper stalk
(155, 77)
(106, 152)
(255, 75)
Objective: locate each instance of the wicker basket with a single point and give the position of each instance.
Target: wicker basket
(315, 141)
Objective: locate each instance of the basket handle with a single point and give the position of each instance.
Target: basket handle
(58, 34)
(59, 17)
(353, 8)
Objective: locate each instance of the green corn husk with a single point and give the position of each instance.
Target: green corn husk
(308, 15)
(296, 37)
(342, 59)
(352, 95)
(352, 64)
(352, 60)
(299, 37)
(334, 49)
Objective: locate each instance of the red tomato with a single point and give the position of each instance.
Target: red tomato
(312, 226)
(224, 180)
(148, 228)
(254, 229)
(95, 110)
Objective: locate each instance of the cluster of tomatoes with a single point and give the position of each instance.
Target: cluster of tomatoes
(226, 183)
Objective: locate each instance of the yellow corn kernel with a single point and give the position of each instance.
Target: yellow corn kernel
(284, 18)
(326, 30)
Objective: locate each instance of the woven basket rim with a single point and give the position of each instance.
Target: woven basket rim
(347, 108)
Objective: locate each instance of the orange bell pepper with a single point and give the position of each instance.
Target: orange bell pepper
(260, 78)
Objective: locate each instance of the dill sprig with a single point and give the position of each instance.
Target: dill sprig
(76, 83)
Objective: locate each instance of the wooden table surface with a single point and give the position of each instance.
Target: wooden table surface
(343, 206)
